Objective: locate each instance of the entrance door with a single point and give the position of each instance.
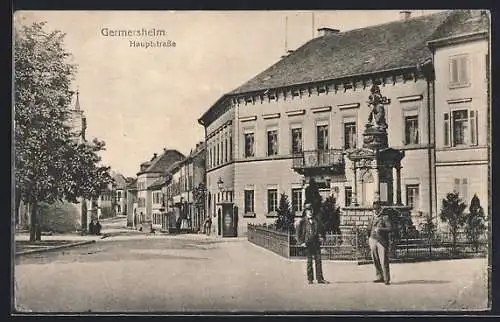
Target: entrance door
(229, 221)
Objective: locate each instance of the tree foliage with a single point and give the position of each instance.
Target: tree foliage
(330, 215)
(452, 212)
(285, 221)
(475, 222)
(50, 165)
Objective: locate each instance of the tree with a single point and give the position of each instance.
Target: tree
(475, 222)
(452, 213)
(313, 197)
(49, 164)
(285, 219)
(330, 216)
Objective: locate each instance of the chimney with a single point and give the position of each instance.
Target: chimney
(327, 31)
(404, 15)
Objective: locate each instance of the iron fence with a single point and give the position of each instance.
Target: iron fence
(353, 246)
(275, 241)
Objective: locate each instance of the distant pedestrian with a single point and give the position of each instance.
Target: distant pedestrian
(92, 227)
(97, 228)
(379, 228)
(308, 235)
(208, 225)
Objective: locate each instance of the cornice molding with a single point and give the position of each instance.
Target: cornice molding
(459, 100)
(410, 98)
(321, 109)
(348, 106)
(296, 113)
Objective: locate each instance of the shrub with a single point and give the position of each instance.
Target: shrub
(452, 213)
(330, 216)
(475, 223)
(285, 221)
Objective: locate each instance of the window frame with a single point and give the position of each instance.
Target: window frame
(459, 82)
(270, 211)
(349, 122)
(299, 203)
(292, 141)
(252, 202)
(245, 155)
(413, 187)
(348, 200)
(326, 137)
(269, 151)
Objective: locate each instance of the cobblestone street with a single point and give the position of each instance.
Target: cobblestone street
(198, 273)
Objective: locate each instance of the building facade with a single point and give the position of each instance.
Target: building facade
(310, 108)
(462, 114)
(149, 173)
(186, 176)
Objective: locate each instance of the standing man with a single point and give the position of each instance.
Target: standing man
(379, 228)
(308, 233)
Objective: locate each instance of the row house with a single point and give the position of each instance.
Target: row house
(150, 172)
(310, 108)
(120, 190)
(184, 177)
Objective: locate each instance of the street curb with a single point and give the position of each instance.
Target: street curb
(31, 251)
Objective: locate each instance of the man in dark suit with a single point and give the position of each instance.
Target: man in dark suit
(379, 228)
(308, 233)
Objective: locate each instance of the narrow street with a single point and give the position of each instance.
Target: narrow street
(193, 273)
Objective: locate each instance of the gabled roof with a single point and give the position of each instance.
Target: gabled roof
(364, 51)
(161, 163)
(120, 181)
(157, 184)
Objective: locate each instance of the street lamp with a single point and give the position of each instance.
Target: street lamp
(220, 185)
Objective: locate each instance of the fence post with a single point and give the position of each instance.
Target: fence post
(288, 244)
(356, 245)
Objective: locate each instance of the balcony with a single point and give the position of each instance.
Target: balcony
(329, 161)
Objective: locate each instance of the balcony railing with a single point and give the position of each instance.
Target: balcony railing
(333, 158)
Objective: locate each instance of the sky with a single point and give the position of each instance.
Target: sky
(141, 100)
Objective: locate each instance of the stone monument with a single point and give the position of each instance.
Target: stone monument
(377, 165)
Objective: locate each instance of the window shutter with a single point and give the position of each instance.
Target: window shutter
(453, 71)
(464, 77)
(447, 129)
(473, 127)
(342, 136)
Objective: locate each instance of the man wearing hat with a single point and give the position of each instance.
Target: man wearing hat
(379, 228)
(308, 232)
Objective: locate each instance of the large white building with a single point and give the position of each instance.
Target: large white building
(310, 108)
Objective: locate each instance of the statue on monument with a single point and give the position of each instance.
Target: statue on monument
(376, 118)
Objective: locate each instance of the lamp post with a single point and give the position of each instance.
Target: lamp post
(220, 185)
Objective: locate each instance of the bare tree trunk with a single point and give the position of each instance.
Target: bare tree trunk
(18, 205)
(33, 221)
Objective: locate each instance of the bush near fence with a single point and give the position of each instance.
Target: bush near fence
(354, 246)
